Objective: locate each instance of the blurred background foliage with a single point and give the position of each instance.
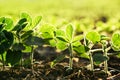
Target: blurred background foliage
(60, 12)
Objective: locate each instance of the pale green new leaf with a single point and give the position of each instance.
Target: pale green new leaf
(93, 36)
(116, 41)
(69, 32)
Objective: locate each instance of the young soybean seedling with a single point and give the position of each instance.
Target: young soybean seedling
(6, 37)
(66, 40)
(93, 38)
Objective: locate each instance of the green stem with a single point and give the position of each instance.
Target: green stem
(96, 50)
(71, 56)
(3, 62)
(31, 56)
(91, 61)
(105, 62)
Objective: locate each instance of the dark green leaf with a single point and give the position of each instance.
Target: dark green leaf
(6, 40)
(18, 47)
(57, 60)
(33, 40)
(26, 34)
(99, 58)
(19, 25)
(13, 57)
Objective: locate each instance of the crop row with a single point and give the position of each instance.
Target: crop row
(27, 34)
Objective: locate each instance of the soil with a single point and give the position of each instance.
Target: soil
(42, 70)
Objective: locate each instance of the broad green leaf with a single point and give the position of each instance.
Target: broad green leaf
(6, 40)
(27, 49)
(36, 21)
(19, 24)
(60, 33)
(80, 49)
(47, 31)
(2, 20)
(47, 35)
(77, 38)
(69, 32)
(93, 36)
(116, 41)
(27, 16)
(9, 24)
(18, 47)
(61, 45)
(76, 44)
(27, 34)
(21, 27)
(52, 42)
(1, 27)
(33, 40)
(99, 58)
(13, 57)
(62, 39)
(57, 60)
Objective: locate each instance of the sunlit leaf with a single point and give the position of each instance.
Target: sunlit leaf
(27, 16)
(93, 36)
(116, 41)
(69, 32)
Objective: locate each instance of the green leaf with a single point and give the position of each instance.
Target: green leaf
(80, 49)
(9, 24)
(76, 44)
(13, 57)
(33, 40)
(116, 41)
(62, 39)
(103, 37)
(36, 21)
(19, 24)
(1, 27)
(60, 33)
(69, 32)
(57, 60)
(18, 46)
(93, 36)
(2, 19)
(27, 34)
(77, 38)
(6, 40)
(47, 31)
(99, 58)
(52, 42)
(21, 27)
(27, 16)
(61, 45)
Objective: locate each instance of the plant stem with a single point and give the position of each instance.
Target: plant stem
(71, 56)
(91, 61)
(96, 50)
(31, 56)
(105, 62)
(3, 62)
